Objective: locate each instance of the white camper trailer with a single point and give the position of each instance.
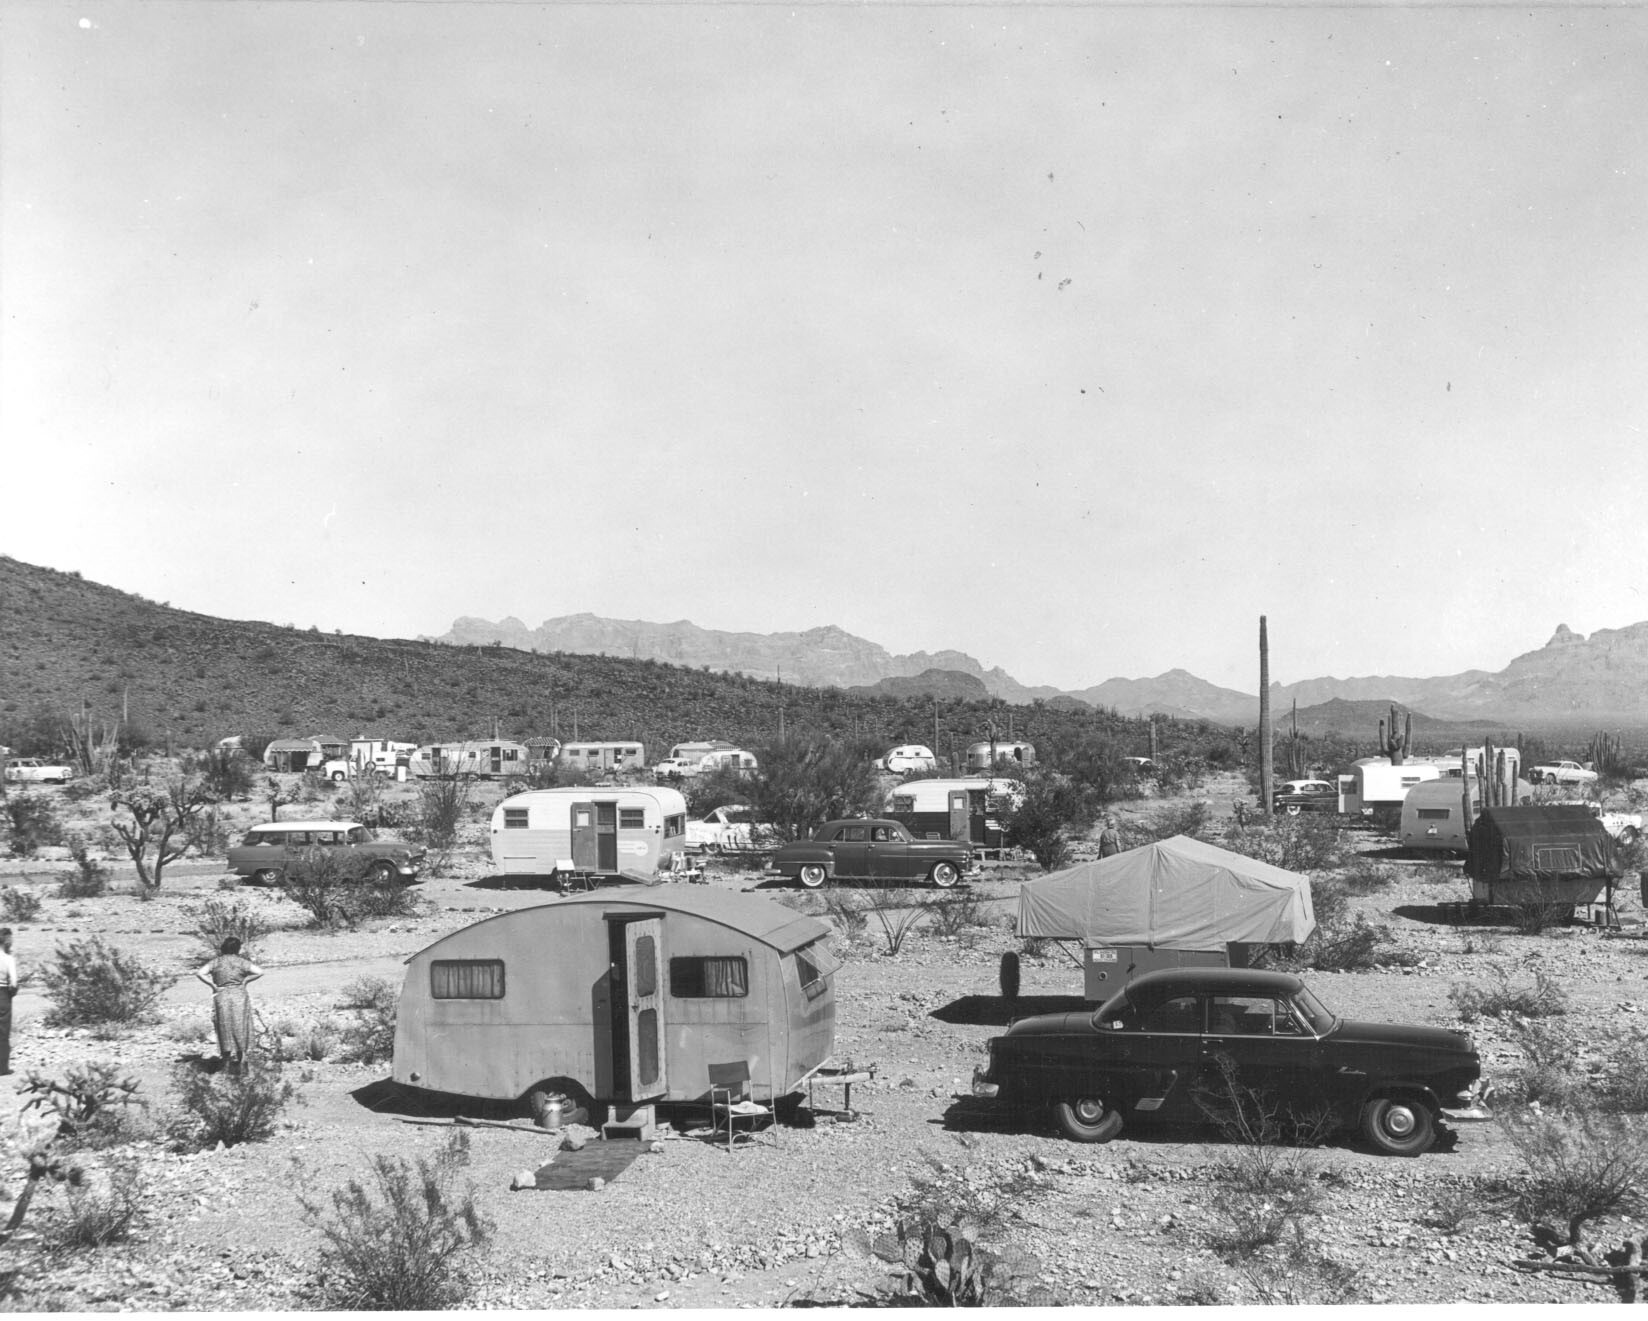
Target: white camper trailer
(983, 757)
(1437, 815)
(1374, 788)
(602, 832)
(599, 757)
(970, 810)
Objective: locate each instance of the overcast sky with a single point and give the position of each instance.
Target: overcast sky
(1074, 338)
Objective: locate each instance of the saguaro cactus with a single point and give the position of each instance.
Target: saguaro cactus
(1391, 744)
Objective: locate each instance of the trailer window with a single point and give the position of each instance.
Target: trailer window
(709, 978)
(467, 979)
(812, 981)
(632, 818)
(903, 803)
(1434, 813)
(675, 825)
(515, 818)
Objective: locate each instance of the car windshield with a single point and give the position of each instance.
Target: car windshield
(1317, 1014)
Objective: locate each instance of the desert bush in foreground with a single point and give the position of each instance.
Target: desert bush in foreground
(1052, 805)
(91, 982)
(19, 905)
(31, 823)
(401, 1239)
(1295, 843)
(90, 878)
(216, 920)
(100, 1208)
(370, 1033)
(898, 914)
(226, 1107)
(1579, 1167)
(1185, 819)
(1541, 1000)
(957, 913)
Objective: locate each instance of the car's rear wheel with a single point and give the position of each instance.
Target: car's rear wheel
(1399, 1126)
(1087, 1119)
(1628, 836)
(338, 777)
(945, 874)
(812, 875)
(266, 876)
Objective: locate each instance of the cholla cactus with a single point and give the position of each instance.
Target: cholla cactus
(28, 1140)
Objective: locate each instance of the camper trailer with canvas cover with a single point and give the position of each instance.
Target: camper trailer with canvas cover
(971, 810)
(647, 992)
(602, 832)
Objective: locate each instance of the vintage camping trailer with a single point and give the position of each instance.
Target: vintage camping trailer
(579, 828)
(981, 759)
(484, 759)
(1437, 815)
(597, 757)
(625, 996)
(1374, 788)
(968, 809)
(383, 755)
(728, 759)
(1552, 856)
(292, 754)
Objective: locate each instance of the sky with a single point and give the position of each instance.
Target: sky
(1074, 337)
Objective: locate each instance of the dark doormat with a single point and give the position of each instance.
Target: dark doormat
(571, 1171)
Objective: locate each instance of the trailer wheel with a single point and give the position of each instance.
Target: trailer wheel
(812, 875)
(944, 874)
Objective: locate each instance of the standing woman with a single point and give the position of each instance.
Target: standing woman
(228, 975)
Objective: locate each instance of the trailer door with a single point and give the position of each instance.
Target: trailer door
(606, 837)
(643, 950)
(585, 854)
(960, 814)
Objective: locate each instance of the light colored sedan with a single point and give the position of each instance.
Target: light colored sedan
(725, 829)
(31, 770)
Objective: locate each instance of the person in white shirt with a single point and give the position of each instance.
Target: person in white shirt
(8, 992)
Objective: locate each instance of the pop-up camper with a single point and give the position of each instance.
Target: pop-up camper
(1561, 856)
(602, 831)
(625, 996)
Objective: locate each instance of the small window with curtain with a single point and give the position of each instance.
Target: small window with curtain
(467, 979)
(515, 818)
(632, 818)
(709, 978)
(903, 803)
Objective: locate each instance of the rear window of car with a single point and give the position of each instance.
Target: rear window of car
(264, 837)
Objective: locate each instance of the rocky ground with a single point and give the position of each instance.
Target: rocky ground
(1136, 1221)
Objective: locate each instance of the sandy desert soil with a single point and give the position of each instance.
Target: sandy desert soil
(694, 1226)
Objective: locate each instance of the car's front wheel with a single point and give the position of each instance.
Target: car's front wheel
(381, 873)
(338, 777)
(945, 874)
(1628, 836)
(1087, 1119)
(1399, 1126)
(812, 875)
(1293, 809)
(266, 876)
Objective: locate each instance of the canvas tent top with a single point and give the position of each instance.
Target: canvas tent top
(771, 924)
(1538, 842)
(1177, 893)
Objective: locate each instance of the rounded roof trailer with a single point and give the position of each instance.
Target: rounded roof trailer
(647, 989)
(604, 831)
(1017, 750)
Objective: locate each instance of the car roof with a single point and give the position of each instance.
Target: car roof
(306, 825)
(1218, 979)
(862, 821)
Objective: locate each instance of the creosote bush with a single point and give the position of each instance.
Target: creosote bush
(227, 1107)
(91, 982)
(1541, 1000)
(30, 821)
(402, 1238)
(369, 1035)
(19, 905)
(100, 1207)
(217, 920)
(90, 877)
(1579, 1167)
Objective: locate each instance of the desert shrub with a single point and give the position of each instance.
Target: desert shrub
(1189, 819)
(217, 920)
(19, 905)
(31, 823)
(957, 913)
(316, 883)
(1453, 1206)
(90, 877)
(1578, 1167)
(897, 915)
(91, 982)
(385, 899)
(1550, 1063)
(100, 1207)
(1544, 998)
(299, 1041)
(88, 1097)
(1362, 875)
(403, 1238)
(227, 1107)
(440, 811)
(1296, 843)
(1052, 806)
(1300, 1274)
(1622, 1085)
(227, 772)
(369, 1035)
(1534, 917)
(1352, 946)
(847, 911)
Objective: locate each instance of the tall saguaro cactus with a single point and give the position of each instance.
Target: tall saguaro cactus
(1267, 771)
(1392, 744)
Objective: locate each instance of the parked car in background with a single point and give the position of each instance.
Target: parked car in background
(1623, 826)
(1561, 772)
(1170, 1043)
(33, 770)
(1140, 765)
(270, 849)
(1296, 796)
(727, 829)
(872, 849)
(909, 759)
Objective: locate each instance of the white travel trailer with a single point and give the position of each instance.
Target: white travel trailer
(609, 756)
(383, 755)
(603, 832)
(1437, 815)
(487, 759)
(969, 810)
(909, 757)
(1374, 788)
(981, 759)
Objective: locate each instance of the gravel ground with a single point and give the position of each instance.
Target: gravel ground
(1130, 1222)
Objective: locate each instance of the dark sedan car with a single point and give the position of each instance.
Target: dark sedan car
(872, 850)
(1161, 1046)
(1296, 796)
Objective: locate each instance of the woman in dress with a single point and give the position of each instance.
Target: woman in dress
(227, 975)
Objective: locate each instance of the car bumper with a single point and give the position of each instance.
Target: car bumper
(983, 1084)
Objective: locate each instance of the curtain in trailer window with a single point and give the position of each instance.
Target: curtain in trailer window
(467, 979)
(709, 978)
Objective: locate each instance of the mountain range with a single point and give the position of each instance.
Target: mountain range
(1571, 680)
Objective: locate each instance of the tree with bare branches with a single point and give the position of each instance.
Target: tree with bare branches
(160, 817)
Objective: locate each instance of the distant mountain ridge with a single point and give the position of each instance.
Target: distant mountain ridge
(1603, 677)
